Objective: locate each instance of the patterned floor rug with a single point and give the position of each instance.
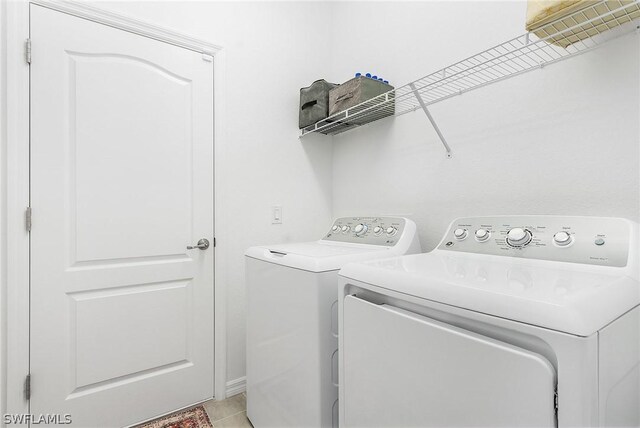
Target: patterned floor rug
(191, 418)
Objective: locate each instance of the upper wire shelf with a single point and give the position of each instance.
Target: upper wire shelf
(563, 38)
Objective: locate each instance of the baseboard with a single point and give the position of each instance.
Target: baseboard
(236, 386)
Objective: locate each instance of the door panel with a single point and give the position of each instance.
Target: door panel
(121, 183)
(103, 163)
(403, 369)
(135, 319)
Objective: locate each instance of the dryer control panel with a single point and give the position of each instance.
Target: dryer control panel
(385, 231)
(590, 240)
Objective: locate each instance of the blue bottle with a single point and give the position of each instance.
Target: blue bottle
(358, 74)
(368, 74)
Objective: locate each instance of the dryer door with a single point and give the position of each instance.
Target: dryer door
(402, 369)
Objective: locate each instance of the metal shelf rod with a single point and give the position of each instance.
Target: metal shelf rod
(433, 122)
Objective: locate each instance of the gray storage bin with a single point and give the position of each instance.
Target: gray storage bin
(356, 91)
(314, 102)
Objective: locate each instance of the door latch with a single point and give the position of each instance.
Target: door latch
(202, 244)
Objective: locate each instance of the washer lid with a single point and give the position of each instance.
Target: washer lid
(318, 256)
(558, 296)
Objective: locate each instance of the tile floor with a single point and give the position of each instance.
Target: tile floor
(231, 412)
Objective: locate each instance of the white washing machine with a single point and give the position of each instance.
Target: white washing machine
(510, 321)
(292, 318)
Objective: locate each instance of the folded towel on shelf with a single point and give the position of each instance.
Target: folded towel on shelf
(547, 18)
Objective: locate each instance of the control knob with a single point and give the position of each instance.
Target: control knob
(345, 229)
(377, 230)
(562, 239)
(460, 234)
(361, 229)
(390, 231)
(482, 235)
(518, 237)
(335, 228)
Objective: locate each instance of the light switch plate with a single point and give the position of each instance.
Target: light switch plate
(276, 214)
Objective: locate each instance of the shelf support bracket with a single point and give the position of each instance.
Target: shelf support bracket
(433, 122)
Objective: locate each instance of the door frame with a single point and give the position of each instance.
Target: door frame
(15, 184)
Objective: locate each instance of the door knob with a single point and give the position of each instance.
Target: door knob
(202, 244)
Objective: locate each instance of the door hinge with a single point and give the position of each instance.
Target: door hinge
(555, 401)
(214, 241)
(27, 51)
(27, 219)
(27, 387)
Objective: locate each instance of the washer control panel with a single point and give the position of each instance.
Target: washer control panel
(367, 230)
(591, 240)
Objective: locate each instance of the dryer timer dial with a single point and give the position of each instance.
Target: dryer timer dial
(518, 237)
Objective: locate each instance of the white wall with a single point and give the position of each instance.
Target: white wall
(3, 198)
(562, 140)
(270, 53)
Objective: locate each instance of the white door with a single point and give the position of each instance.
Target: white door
(121, 183)
(401, 369)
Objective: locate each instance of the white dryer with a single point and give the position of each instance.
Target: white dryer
(510, 321)
(292, 318)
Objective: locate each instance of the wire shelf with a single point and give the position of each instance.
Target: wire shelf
(555, 41)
